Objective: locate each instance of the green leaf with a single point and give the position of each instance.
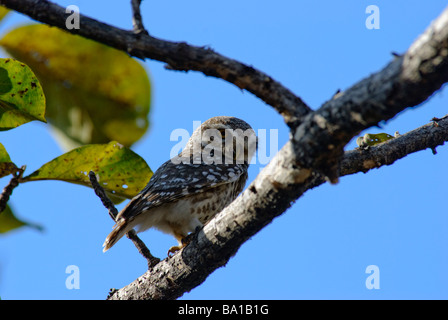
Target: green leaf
(21, 97)
(3, 12)
(95, 94)
(371, 139)
(119, 170)
(8, 221)
(6, 165)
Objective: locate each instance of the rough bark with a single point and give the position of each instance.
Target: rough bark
(407, 81)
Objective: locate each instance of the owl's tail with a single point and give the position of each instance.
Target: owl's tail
(120, 229)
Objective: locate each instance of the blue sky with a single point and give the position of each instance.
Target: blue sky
(393, 217)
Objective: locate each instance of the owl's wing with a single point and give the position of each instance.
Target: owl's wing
(173, 181)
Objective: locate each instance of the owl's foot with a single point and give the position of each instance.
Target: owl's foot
(184, 241)
(174, 249)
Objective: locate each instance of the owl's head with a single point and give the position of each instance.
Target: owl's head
(222, 140)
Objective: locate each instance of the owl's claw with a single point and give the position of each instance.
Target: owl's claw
(184, 242)
(174, 249)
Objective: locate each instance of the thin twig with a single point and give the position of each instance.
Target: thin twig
(7, 191)
(137, 21)
(141, 247)
(99, 191)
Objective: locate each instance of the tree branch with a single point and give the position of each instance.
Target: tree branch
(178, 56)
(428, 136)
(137, 21)
(260, 203)
(7, 190)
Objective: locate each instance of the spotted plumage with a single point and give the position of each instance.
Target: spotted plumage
(189, 189)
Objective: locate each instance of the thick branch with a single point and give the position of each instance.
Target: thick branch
(141, 247)
(267, 197)
(405, 82)
(177, 55)
(7, 190)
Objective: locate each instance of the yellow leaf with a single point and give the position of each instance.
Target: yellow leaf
(21, 97)
(119, 170)
(6, 165)
(95, 94)
(9, 222)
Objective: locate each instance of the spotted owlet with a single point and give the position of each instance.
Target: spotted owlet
(190, 188)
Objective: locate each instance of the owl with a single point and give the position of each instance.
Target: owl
(190, 188)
